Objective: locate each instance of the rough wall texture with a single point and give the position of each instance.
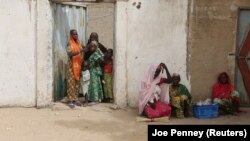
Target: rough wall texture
(44, 61)
(18, 41)
(25, 38)
(155, 32)
(101, 20)
(142, 38)
(120, 50)
(212, 36)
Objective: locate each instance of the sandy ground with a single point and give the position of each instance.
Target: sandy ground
(94, 123)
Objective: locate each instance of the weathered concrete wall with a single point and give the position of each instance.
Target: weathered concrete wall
(212, 36)
(101, 20)
(44, 89)
(120, 51)
(157, 33)
(25, 73)
(18, 42)
(154, 33)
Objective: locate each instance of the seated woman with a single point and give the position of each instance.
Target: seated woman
(225, 95)
(180, 98)
(153, 94)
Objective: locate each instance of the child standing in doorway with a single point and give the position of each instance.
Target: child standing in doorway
(107, 76)
(95, 92)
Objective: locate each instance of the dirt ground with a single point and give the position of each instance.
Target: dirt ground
(93, 123)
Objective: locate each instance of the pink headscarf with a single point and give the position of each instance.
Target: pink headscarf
(148, 85)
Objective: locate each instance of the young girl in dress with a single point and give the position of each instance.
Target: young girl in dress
(107, 76)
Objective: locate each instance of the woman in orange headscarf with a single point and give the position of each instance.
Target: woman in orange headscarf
(75, 53)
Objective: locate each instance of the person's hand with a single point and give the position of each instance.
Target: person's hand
(76, 53)
(161, 81)
(163, 65)
(96, 64)
(72, 54)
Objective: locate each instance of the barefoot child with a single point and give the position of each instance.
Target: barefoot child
(107, 76)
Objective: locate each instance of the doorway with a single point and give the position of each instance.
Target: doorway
(85, 18)
(243, 57)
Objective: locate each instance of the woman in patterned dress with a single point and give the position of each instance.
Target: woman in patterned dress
(180, 98)
(73, 73)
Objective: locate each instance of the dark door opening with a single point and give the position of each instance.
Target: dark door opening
(85, 18)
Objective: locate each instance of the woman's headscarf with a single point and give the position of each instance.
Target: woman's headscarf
(77, 59)
(222, 90)
(148, 85)
(95, 43)
(175, 75)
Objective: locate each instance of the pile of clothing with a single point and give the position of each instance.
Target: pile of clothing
(205, 102)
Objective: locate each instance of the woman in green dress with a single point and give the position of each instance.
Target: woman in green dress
(95, 92)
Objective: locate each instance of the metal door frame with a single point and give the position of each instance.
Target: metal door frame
(69, 4)
(76, 5)
(237, 49)
(85, 5)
